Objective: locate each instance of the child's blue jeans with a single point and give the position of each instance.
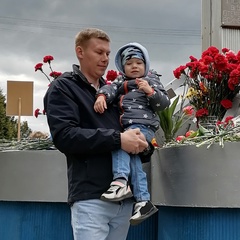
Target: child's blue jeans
(129, 166)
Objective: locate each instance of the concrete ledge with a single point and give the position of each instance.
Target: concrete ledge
(188, 176)
(38, 175)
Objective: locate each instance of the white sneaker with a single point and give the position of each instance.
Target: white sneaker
(117, 192)
(142, 210)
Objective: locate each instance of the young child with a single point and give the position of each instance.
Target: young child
(139, 94)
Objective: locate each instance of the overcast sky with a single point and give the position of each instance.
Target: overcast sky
(31, 29)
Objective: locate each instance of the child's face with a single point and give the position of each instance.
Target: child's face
(134, 68)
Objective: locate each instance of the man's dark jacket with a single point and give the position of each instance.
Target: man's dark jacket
(84, 136)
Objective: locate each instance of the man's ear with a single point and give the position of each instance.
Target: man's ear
(79, 51)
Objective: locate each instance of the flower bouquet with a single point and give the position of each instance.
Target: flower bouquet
(213, 81)
(209, 87)
(53, 74)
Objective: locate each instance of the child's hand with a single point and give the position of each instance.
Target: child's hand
(100, 104)
(144, 86)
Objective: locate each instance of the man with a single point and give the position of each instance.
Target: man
(87, 139)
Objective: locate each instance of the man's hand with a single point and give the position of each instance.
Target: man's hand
(133, 141)
(100, 104)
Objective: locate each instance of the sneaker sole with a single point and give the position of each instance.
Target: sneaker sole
(129, 195)
(143, 217)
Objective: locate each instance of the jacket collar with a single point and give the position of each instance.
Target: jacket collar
(76, 71)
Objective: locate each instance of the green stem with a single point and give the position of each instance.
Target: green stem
(46, 76)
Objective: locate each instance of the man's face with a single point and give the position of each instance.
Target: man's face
(94, 58)
(134, 68)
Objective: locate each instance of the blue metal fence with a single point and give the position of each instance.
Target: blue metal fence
(192, 223)
(34, 221)
(51, 221)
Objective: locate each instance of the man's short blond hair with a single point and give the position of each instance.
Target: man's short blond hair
(85, 35)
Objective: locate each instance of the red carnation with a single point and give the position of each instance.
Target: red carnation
(201, 112)
(226, 103)
(229, 118)
(111, 75)
(178, 71)
(48, 59)
(55, 74)
(193, 59)
(37, 112)
(38, 67)
(224, 50)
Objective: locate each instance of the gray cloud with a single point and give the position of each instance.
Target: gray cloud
(30, 29)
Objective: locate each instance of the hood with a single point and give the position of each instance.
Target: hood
(118, 60)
